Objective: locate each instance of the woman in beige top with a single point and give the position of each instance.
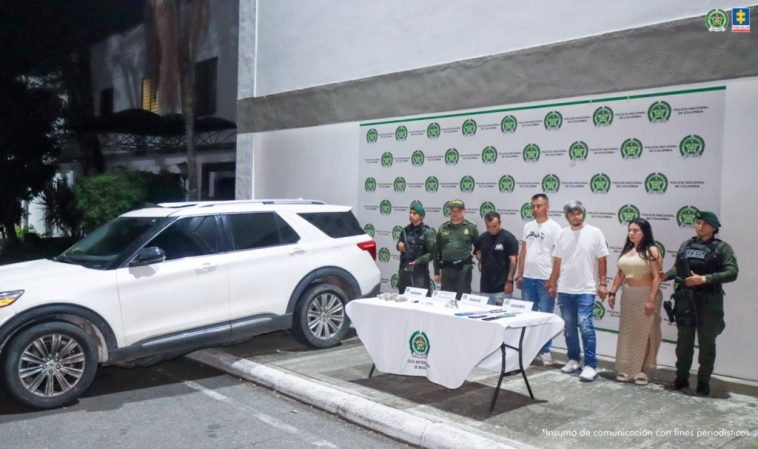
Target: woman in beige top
(640, 323)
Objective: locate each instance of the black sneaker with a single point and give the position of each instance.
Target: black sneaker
(703, 389)
(681, 383)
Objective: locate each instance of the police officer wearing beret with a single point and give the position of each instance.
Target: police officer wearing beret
(455, 242)
(702, 264)
(416, 246)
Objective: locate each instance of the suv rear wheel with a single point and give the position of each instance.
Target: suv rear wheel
(320, 320)
(49, 365)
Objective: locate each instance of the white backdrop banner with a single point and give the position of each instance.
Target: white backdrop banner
(655, 155)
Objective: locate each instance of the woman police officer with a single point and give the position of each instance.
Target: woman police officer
(703, 263)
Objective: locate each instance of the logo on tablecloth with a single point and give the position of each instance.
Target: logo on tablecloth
(419, 344)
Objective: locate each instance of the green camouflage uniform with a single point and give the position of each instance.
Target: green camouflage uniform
(700, 309)
(419, 244)
(452, 260)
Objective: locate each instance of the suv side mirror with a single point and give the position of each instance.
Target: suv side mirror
(148, 256)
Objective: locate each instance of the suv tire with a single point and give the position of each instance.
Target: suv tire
(320, 319)
(49, 365)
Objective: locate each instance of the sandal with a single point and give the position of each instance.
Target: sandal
(623, 377)
(640, 379)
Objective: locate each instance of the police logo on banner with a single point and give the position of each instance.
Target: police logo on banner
(468, 128)
(578, 151)
(433, 130)
(506, 183)
(627, 213)
(417, 158)
(553, 121)
(397, 231)
(508, 124)
(531, 153)
(489, 155)
(385, 207)
(656, 183)
(401, 133)
(686, 216)
(387, 159)
(526, 211)
(431, 184)
(486, 208)
(451, 156)
(692, 146)
(600, 183)
(659, 112)
(603, 116)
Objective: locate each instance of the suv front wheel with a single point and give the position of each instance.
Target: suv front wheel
(49, 365)
(320, 320)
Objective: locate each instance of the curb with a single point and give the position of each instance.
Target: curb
(403, 426)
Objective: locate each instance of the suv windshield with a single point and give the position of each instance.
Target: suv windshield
(104, 245)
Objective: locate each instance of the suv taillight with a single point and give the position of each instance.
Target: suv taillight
(369, 246)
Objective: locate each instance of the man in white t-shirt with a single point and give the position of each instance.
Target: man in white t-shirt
(535, 261)
(579, 272)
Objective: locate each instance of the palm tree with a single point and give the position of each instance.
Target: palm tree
(173, 30)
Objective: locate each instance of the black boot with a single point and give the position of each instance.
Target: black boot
(681, 383)
(703, 389)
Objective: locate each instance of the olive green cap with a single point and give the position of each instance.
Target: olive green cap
(709, 217)
(457, 203)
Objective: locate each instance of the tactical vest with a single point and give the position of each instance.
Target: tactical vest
(414, 242)
(700, 258)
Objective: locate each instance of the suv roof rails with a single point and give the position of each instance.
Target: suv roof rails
(179, 205)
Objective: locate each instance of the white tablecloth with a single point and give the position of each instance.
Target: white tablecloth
(456, 345)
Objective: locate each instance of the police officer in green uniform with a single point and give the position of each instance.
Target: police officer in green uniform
(416, 246)
(702, 264)
(455, 243)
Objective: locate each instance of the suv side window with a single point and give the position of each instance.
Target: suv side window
(189, 237)
(260, 230)
(334, 224)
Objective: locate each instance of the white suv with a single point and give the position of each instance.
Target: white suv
(167, 280)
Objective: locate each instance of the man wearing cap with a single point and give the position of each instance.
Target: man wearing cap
(578, 274)
(455, 241)
(702, 264)
(416, 246)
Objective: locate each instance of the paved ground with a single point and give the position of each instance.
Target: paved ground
(566, 412)
(179, 404)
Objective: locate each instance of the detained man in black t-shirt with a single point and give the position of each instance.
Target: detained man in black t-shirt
(496, 250)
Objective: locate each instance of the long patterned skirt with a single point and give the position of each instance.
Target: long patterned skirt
(639, 334)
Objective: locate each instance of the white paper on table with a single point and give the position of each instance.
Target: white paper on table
(474, 300)
(443, 297)
(415, 292)
(517, 305)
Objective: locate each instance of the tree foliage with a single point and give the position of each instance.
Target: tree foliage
(27, 147)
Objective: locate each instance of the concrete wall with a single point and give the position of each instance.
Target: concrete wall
(304, 44)
(308, 76)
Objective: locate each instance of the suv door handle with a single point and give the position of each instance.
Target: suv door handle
(297, 251)
(206, 267)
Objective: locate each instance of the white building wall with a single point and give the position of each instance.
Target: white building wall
(295, 44)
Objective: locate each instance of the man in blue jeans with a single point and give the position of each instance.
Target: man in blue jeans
(579, 255)
(535, 261)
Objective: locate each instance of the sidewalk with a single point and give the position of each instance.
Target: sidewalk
(565, 411)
